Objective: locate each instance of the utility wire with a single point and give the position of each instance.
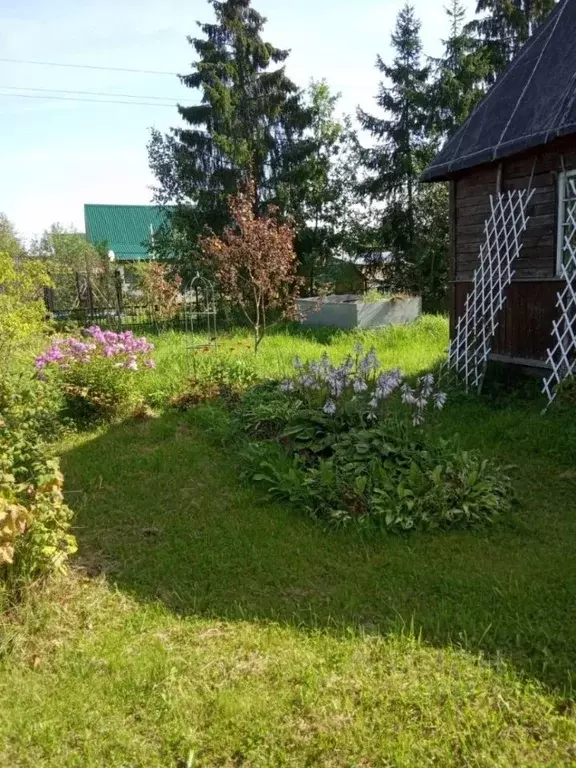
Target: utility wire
(90, 66)
(89, 101)
(172, 99)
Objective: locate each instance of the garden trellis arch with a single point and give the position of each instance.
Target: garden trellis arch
(200, 311)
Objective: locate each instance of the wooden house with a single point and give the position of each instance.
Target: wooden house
(522, 136)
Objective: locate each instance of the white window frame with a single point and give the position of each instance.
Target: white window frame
(563, 178)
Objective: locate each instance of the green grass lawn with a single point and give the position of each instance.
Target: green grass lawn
(412, 348)
(205, 626)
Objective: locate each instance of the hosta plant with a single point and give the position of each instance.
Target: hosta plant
(356, 445)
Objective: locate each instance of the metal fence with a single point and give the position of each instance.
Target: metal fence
(103, 299)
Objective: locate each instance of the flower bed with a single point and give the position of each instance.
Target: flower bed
(96, 373)
(345, 442)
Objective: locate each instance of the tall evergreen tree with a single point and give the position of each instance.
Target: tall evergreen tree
(459, 76)
(247, 125)
(401, 149)
(505, 27)
(323, 188)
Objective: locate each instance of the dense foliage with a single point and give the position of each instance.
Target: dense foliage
(346, 201)
(35, 536)
(402, 149)
(22, 311)
(323, 190)
(504, 26)
(353, 448)
(459, 76)
(81, 273)
(96, 374)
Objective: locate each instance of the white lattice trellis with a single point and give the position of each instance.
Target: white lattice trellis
(471, 346)
(562, 355)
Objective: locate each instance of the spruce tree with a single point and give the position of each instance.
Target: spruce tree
(402, 149)
(505, 26)
(246, 126)
(459, 76)
(323, 188)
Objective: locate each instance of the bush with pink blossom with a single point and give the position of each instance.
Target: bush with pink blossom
(97, 373)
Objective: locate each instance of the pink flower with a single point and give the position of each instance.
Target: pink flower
(150, 364)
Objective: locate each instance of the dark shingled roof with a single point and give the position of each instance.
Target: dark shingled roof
(532, 103)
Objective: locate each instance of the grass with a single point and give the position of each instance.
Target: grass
(412, 348)
(205, 626)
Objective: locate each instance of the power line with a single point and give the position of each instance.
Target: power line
(89, 101)
(173, 99)
(90, 66)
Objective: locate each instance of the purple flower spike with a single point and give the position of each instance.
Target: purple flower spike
(440, 399)
(330, 408)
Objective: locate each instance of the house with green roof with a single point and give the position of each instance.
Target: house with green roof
(127, 230)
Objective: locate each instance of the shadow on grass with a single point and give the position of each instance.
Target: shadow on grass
(161, 509)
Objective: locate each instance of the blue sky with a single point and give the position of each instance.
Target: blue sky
(57, 155)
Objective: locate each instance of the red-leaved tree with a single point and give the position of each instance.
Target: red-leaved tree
(255, 262)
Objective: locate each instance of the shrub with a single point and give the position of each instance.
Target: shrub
(97, 375)
(161, 291)
(255, 262)
(35, 522)
(354, 448)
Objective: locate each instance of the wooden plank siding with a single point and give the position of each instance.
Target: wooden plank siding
(526, 321)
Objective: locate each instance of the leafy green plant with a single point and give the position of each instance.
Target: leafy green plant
(35, 522)
(354, 449)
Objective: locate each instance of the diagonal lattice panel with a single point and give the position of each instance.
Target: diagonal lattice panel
(562, 354)
(475, 329)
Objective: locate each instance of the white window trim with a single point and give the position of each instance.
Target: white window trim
(562, 179)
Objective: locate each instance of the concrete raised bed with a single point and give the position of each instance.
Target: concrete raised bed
(349, 311)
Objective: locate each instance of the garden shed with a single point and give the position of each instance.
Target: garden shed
(521, 137)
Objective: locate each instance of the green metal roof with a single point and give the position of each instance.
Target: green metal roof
(126, 229)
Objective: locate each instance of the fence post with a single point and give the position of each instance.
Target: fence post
(89, 295)
(119, 295)
(78, 288)
(49, 298)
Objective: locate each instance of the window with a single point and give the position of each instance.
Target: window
(566, 218)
